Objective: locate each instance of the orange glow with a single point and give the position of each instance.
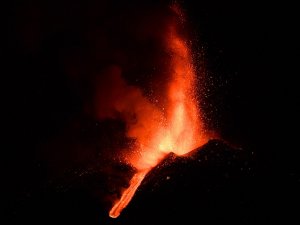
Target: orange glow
(128, 194)
(176, 128)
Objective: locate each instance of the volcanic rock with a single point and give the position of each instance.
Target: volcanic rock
(210, 185)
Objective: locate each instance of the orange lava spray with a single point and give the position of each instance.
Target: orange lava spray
(177, 127)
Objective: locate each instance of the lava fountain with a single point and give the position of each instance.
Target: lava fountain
(177, 127)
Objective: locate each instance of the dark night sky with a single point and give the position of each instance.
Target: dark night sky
(248, 48)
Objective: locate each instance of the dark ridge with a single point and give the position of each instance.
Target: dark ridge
(210, 185)
(213, 154)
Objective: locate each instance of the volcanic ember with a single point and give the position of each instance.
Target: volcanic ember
(175, 125)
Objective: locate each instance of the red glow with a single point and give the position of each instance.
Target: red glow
(175, 128)
(128, 194)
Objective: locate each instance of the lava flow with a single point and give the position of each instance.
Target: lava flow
(177, 127)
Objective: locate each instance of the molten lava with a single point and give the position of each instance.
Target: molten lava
(128, 193)
(177, 127)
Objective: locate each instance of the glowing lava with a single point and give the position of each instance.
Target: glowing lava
(177, 127)
(128, 193)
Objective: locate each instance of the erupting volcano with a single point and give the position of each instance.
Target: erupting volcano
(170, 123)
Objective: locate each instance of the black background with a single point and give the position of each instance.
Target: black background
(249, 50)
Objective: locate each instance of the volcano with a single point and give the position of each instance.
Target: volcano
(69, 61)
(209, 185)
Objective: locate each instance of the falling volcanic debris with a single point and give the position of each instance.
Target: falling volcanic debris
(168, 121)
